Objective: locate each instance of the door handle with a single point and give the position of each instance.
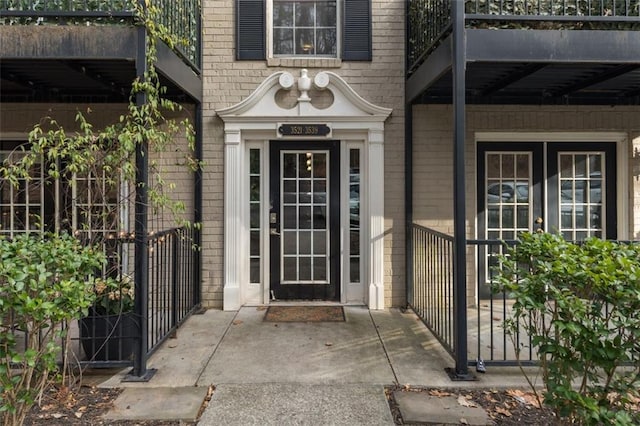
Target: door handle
(274, 231)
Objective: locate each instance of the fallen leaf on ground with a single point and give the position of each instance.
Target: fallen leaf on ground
(328, 344)
(527, 398)
(439, 393)
(465, 402)
(503, 411)
(261, 308)
(237, 322)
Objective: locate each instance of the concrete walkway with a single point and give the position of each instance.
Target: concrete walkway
(265, 373)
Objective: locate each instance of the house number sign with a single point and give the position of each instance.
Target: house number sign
(306, 130)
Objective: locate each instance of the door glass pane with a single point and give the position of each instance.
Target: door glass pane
(354, 215)
(581, 198)
(508, 205)
(305, 268)
(304, 241)
(305, 207)
(254, 216)
(508, 184)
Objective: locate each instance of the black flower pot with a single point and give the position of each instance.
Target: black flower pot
(109, 337)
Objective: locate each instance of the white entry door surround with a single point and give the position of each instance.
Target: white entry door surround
(249, 128)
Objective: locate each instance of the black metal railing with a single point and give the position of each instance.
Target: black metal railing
(487, 334)
(182, 18)
(431, 298)
(172, 283)
(427, 24)
(429, 21)
(432, 282)
(172, 295)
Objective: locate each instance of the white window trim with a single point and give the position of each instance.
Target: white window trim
(621, 139)
(275, 60)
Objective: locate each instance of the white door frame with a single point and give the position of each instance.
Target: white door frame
(253, 123)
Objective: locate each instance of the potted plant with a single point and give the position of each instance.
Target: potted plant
(110, 330)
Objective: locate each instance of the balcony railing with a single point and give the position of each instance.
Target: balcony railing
(429, 21)
(182, 18)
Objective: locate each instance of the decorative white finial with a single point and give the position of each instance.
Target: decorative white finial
(304, 85)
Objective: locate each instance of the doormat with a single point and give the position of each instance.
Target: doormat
(304, 314)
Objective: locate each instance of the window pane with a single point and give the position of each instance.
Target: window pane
(508, 166)
(326, 14)
(319, 242)
(283, 41)
(326, 42)
(282, 14)
(304, 242)
(254, 182)
(304, 42)
(290, 220)
(320, 268)
(493, 166)
(354, 270)
(290, 242)
(305, 268)
(255, 215)
(255, 243)
(254, 162)
(305, 14)
(581, 165)
(305, 217)
(290, 272)
(255, 271)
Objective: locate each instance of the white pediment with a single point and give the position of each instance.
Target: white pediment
(263, 102)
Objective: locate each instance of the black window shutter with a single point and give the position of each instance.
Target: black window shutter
(356, 34)
(250, 29)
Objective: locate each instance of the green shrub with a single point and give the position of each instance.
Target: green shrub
(44, 283)
(580, 304)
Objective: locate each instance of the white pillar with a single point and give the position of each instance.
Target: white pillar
(232, 219)
(376, 214)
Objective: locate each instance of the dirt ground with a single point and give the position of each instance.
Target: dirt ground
(86, 406)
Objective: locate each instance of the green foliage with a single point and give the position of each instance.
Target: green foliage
(44, 284)
(111, 150)
(45, 280)
(580, 304)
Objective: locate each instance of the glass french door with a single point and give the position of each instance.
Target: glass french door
(304, 220)
(571, 190)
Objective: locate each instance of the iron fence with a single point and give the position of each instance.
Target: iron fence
(430, 21)
(487, 334)
(172, 295)
(182, 18)
(431, 297)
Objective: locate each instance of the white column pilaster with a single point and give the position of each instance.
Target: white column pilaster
(376, 214)
(232, 219)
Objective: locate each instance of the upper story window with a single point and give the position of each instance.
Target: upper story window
(303, 28)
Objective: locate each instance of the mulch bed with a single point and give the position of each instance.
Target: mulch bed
(304, 314)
